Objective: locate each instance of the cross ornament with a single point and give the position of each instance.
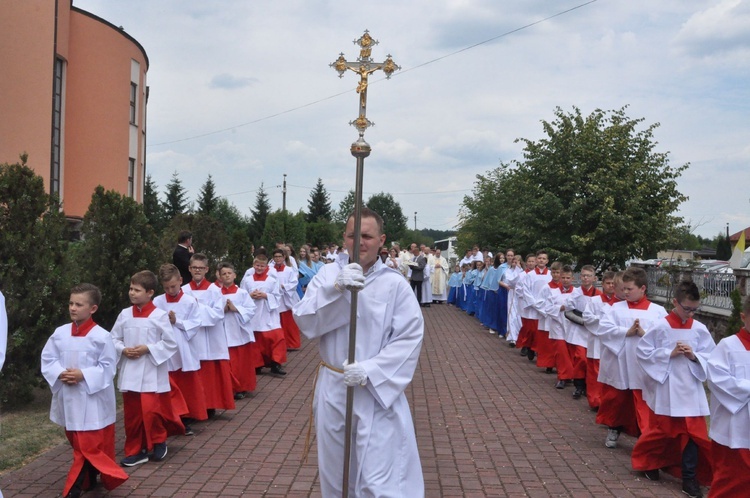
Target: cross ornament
(364, 66)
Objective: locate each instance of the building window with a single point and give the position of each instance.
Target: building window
(57, 109)
(133, 95)
(131, 178)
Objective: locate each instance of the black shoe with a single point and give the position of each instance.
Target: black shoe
(691, 488)
(75, 492)
(653, 475)
(240, 395)
(189, 431)
(578, 393)
(133, 460)
(549, 370)
(211, 412)
(531, 355)
(160, 452)
(259, 371)
(524, 351)
(511, 344)
(560, 384)
(277, 370)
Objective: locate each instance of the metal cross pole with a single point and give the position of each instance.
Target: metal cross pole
(364, 66)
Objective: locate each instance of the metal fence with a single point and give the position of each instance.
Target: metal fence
(715, 287)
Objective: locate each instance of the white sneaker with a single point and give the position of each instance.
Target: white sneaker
(612, 436)
(493, 331)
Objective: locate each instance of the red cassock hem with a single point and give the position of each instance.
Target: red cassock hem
(527, 333)
(662, 442)
(545, 352)
(149, 419)
(291, 330)
(190, 385)
(731, 471)
(593, 386)
(562, 359)
(577, 356)
(217, 384)
(242, 365)
(98, 447)
(617, 409)
(272, 346)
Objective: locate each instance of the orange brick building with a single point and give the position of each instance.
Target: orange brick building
(73, 96)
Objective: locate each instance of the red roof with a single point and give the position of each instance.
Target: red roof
(735, 237)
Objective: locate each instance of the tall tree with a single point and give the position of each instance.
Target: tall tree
(117, 242)
(394, 221)
(32, 266)
(319, 204)
(346, 206)
(207, 199)
(259, 214)
(723, 247)
(152, 208)
(175, 201)
(283, 226)
(593, 190)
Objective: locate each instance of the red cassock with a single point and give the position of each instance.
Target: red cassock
(216, 376)
(662, 442)
(149, 419)
(242, 361)
(731, 471)
(98, 447)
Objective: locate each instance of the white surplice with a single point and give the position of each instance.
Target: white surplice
(729, 382)
(185, 328)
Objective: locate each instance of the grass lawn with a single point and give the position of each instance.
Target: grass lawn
(26, 432)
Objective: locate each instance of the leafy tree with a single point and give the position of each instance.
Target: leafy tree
(152, 207)
(240, 251)
(321, 233)
(416, 236)
(319, 204)
(259, 214)
(229, 216)
(117, 242)
(175, 198)
(207, 200)
(209, 237)
(284, 226)
(346, 206)
(594, 190)
(32, 244)
(393, 217)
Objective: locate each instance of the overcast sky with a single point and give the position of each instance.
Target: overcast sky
(242, 90)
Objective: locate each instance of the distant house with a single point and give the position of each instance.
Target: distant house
(73, 96)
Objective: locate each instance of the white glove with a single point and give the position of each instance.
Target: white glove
(350, 277)
(354, 375)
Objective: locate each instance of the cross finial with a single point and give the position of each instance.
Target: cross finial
(364, 66)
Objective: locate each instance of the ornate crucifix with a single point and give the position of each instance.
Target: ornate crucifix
(364, 66)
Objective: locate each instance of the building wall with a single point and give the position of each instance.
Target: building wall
(97, 125)
(99, 61)
(27, 45)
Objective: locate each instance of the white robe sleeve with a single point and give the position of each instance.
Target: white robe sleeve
(100, 376)
(612, 334)
(52, 365)
(730, 388)
(323, 308)
(160, 351)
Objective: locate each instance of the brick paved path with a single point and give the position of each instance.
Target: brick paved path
(488, 423)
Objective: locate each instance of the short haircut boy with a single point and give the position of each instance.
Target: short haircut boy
(145, 279)
(608, 275)
(556, 266)
(369, 213)
(567, 269)
(168, 271)
(636, 275)
(93, 294)
(687, 290)
(225, 264)
(589, 268)
(199, 256)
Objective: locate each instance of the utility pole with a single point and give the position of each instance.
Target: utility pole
(415, 221)
(283, 195)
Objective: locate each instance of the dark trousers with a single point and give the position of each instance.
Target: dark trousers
(689, 460)
(417, 288)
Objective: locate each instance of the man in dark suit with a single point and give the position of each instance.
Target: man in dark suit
(417, 264)
(181, 255)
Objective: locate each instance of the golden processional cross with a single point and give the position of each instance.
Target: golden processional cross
(364, 66)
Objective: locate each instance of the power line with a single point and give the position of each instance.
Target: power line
(437, 59)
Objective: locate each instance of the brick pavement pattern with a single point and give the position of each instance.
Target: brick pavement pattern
(488, 423)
